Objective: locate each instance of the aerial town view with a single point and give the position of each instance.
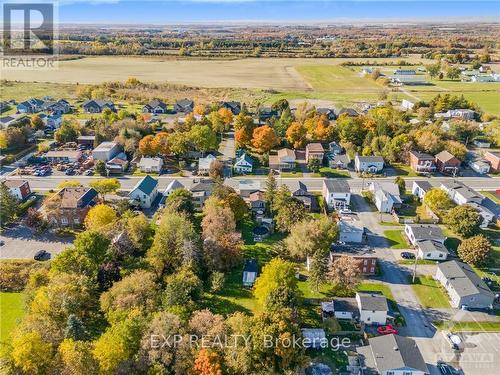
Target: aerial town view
(226, 187)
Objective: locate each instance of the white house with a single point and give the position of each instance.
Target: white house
(421, 232)
(406, 104)
(372, 164)
(480, 166)
(431, 250)
(106, 151)
(172, 186)
(392, 355)
(204, 164)
(386, 195)
(150, 165)
(481, 143)
(461, 193)
(463, 285)
(18, 188)
(250, 272)
(350, 232)
(243, 164)
(336, 193)
(373, 308)
(145, 191)
(420, 188)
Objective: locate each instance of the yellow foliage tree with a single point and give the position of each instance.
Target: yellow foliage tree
(30, 353)
(99, 217)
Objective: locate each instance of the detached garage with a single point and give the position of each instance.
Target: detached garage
(350, 232)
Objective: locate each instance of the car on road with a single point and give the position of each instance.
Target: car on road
(407, 255)
(69, 172)
(41, 255)
(445, 368)
(387, 330)
(88, 172)
(2, 243)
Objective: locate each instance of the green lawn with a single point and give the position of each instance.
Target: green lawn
(468, 326)
(430, 293)
(328, 172)
(336, 78)
(376, 287)
(11, 310)
(390, 224)
(403, 170)
(292, 174)
(396, 239)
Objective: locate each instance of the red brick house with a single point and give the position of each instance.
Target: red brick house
(447, 162)
(422, 162)
(19, 188)
(315, 151)
(493, 158)
(70, 206)
(367, 263)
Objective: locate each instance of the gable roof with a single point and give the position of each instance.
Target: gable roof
(77, 197)
(146, 185)
(462, 189)
(422, 155)
(175, 184)
(244, 158)
(286, 152)
(370, 159)
(337, 186)
(315, 147)
(373, 301)
(423, 185)
(157, 103)
(429, 245)
(12, 184)
(203, 185)
(426, 232)
(463, 279)
(395, 352)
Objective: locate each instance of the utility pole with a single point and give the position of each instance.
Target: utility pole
(415, 269)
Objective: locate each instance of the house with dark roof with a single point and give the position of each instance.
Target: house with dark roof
(32, 105)
(250, 271)
(243, 163)
(328, 112)
(420, 188)
(299, 191)
(420, 232)
(145, 192)
(461, 193)
(184, 106)
(447, 163)
(348, 111)
(266, 113)
(464, 286)
(391, 355)
(373, 308)
(234, 107)
(371, 164)
(155, 106)
(336, 193)
(97, 106)
(386, 195)
(60, 107)
(69, 206)
(421, 162)
(365, 259)
(337, 161)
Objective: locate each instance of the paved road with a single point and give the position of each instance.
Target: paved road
(313, 184)
(417, 324)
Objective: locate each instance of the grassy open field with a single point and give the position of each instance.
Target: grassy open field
(396, 239)
(11, 309)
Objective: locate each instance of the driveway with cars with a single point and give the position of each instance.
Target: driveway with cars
(21, 242)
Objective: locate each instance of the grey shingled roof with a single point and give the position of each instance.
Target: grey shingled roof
(424, 185)
(427, 232)
(461, 189)
(395, 352)
(463, 279)
(337, 186)
(373, 302)
(370, 159)
(427, 245)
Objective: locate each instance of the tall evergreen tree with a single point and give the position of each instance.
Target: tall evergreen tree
(74, 328)
(318, 270)
(270, 192)
(9, 205)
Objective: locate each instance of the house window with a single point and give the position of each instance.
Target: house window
(390, 373)
(64, 221)
(372, 270)
(365, 262)
(440, 255)
(76, 221)
(364, 269)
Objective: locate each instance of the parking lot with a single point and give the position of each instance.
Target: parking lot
(480, 354)
(20, 242)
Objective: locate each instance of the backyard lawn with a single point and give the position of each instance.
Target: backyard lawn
(403, 170)
(430, 293)
(328, 172)
(11, 309)
(396, 239)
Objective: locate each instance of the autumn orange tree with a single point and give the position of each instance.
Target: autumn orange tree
(243, 137)
(226, 115)
(296, 135)
(147, 146)
(264, 139)
(161, 145)
(207, 363)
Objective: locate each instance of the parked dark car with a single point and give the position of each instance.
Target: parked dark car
(445, 368)
(407, 255)
(42, 255)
